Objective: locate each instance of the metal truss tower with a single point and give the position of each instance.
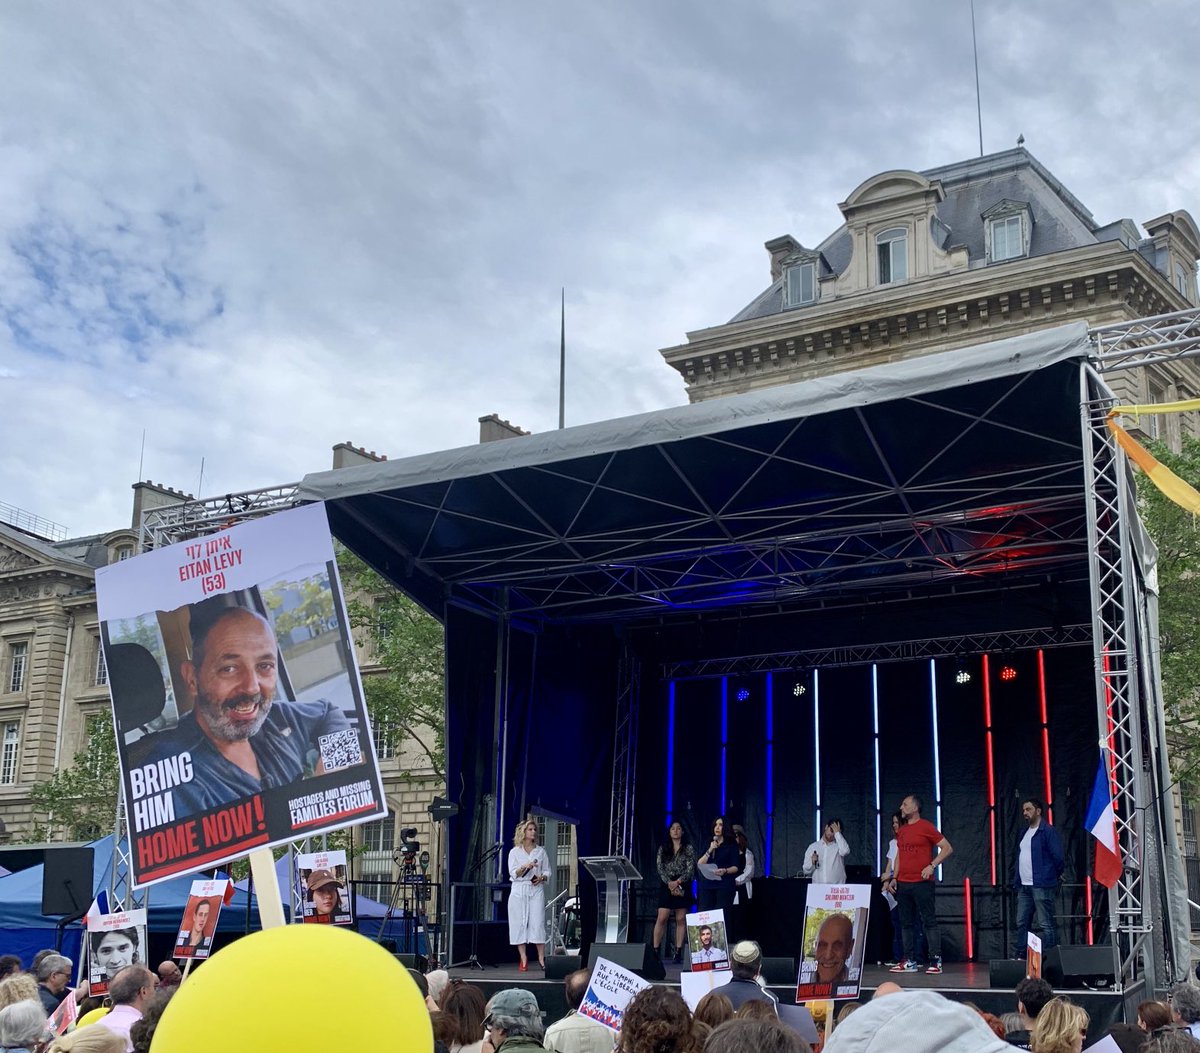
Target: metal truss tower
(629, 677)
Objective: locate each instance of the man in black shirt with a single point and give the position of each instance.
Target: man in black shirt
(746, 964)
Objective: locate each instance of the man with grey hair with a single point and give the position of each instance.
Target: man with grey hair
(514, 1021)
(576, 1033)
(1185, 1007)
(130, 992)
(53, 975)
(745, 964)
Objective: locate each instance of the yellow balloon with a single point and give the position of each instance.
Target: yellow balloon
(297, 989)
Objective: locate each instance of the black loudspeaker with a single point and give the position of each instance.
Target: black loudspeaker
(413, 961)
(779, 972)
(636, 957)
(1078, 965)
(560, 966)
(1005, 973)
(67, 881)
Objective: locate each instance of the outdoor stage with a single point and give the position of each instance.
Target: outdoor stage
(960, 982)
(761, 605)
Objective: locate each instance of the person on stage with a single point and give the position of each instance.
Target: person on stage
(921, 850)
(885, 883)
(717, 893)
(529, 869)
(744, 882)
(825, 860)
(676, 863)
(1038, 871)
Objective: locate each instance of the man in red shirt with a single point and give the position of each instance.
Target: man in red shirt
(921, 849)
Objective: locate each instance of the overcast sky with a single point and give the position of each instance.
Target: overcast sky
(252, 230)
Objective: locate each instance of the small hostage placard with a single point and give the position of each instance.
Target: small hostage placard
(322, 878)
(611, 989)
(238, 708)
(835, 939)
(708, 944)
(200, 916)
(113, 942)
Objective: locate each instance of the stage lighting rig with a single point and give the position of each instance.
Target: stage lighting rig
(1008, 673)
(963, 676)
(799, 689)
(743, 694)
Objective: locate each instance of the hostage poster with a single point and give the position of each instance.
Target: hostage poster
(237, 704)
(113, 942)
(200, 916)
(322, 877)
(835, 928)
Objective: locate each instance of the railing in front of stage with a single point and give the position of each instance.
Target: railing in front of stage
(410, 915)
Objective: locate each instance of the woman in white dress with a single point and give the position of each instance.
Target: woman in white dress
(529, 870)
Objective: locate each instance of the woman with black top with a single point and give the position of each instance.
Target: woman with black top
(676, 866)
(717, 893)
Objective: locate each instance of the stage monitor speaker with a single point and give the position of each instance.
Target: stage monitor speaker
(560, 966)
(67, 880)
(636, 957)
(1005, 973)
(779, 972)
(1078, 965)
(413, 961)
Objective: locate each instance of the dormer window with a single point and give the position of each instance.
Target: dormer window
(892, 248)
(1181, 279)
(1007, 243)
(801, 282)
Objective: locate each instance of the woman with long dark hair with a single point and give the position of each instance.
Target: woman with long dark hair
(676, 863)
(716, 893)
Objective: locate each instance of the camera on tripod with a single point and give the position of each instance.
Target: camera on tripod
(406, 855)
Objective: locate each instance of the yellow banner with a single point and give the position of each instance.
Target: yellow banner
(1182, 493)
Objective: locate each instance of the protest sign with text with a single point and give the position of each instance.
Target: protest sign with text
(610, 990)
(322, 878)
(200, 916)
(708, 944)
(237, 704)
(834, 941)
(113, 942)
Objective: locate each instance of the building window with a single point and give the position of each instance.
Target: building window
(892, 246)
(124, 552)
(99, 670)
(18, 661)
(384, 732)
(801, 283)
(379, 835)
(1008, 239)
(8, 757)
(1181, 279)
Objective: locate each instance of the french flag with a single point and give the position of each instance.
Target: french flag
(1102, 825)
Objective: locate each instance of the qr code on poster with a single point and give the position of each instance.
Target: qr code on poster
(340, 749)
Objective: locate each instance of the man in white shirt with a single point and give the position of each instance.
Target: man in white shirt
(576, 1033)
(707, 952)
(825, 860)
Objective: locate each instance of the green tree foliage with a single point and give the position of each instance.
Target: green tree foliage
(404, 699)
(1177, 535)
(79, 803)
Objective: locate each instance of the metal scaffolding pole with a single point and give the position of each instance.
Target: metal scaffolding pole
(620, 832)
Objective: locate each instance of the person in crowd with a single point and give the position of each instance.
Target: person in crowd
(241, 739)
(169, 975)
(20, 988)
(746, 965)
(1038, 870)
(22, 1025)
(467, 1006)
(756, 1009)
(513, 1022)
(744, 882)
(141, 1034)
(88, 1040)
(130, 992)
(1060, 1027)
(53, 974)
(445, 1030)
(436, 979)
(921, 951)
(707, 952)
(1129, 1037)
(39, 958)
(1153, 1015)
(886, 988)
(528, 869)
(418, 978)
(755, 1036)
(676, 862)
(825, 858)
(1185, 1007)
(717, 893)
(713, 1009)
(10, 965)
(914, 1022)
(992, 1021)
(1032, 995)
(1013, 1022)
(656, 1020)
(112, 951)
(921, 850)
(1171, 1040)
(576, 1033)
(846, 1010)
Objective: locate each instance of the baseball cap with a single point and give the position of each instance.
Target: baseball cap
(322, 877)
(513, 1004)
